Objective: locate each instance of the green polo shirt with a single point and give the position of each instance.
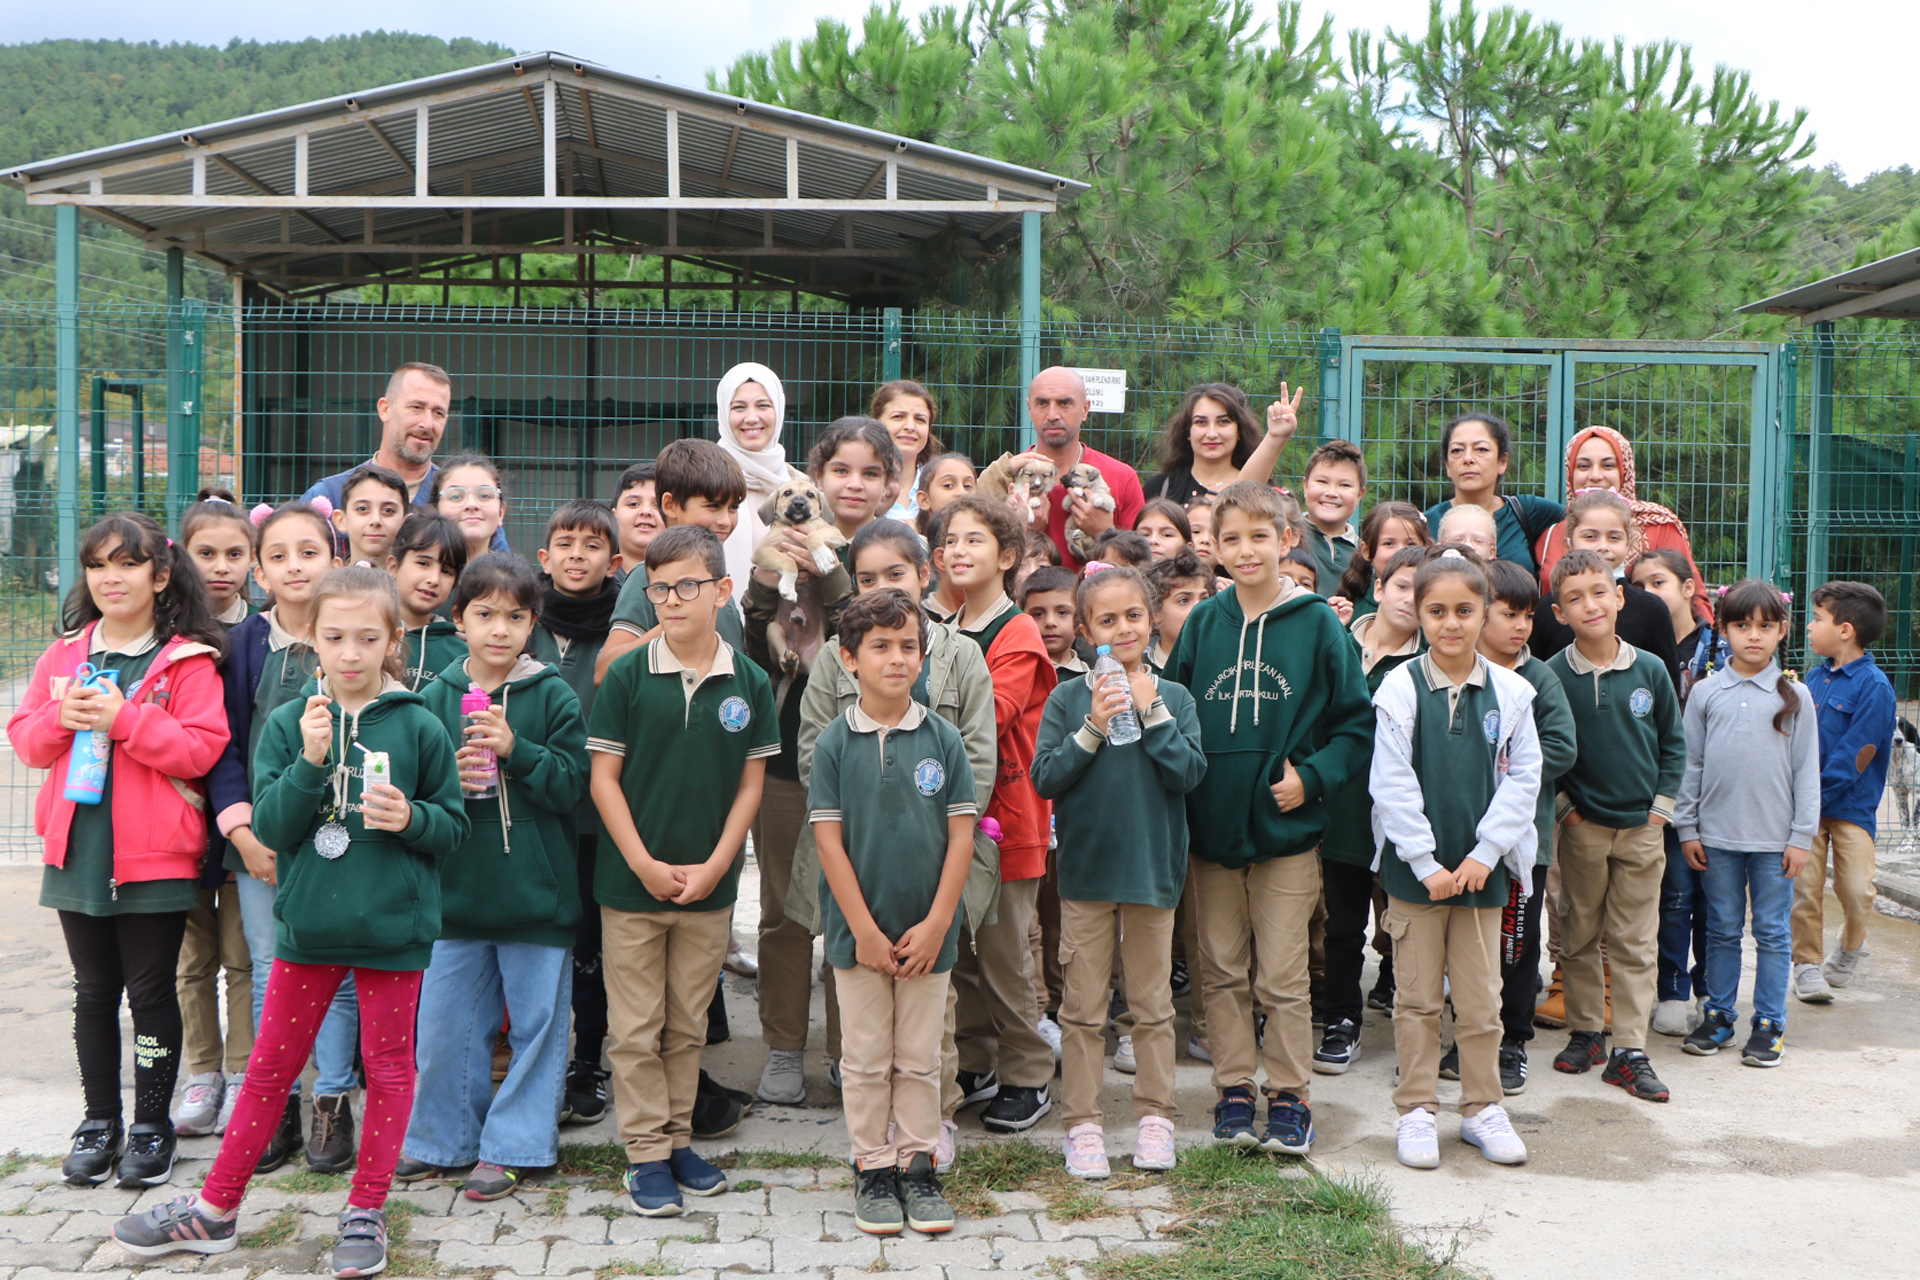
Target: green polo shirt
(891, 791)
(1331, 554)
(685, 742)
(634, 613)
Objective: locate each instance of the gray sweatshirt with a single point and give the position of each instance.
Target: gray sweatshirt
(1748, 788)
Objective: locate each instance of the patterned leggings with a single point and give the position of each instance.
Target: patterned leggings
(297, 1000)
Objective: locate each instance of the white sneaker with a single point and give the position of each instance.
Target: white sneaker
(1416, 1141)
(740, 962)
(943, 1147)
(1673, 1017)
(1840, 966)
(1199, 1049)
(1050, 1032)
(1153, 1147)
(235, 1081)
(199, 1108)
(1492, 1132)
(1123, 1059)
(784, 1080)
(1810, 984)
(1086, 1151)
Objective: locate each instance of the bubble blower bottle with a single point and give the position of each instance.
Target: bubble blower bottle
(87, 761)
(473, 701)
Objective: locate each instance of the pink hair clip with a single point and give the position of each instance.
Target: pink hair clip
(258, 516)
(1092, 567)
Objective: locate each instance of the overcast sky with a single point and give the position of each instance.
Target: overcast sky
(1841, 60)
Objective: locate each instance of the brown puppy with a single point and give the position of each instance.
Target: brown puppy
(1083, 480)
(796, 631)
(1025, 484)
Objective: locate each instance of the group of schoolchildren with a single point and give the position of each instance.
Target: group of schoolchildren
(447, 793)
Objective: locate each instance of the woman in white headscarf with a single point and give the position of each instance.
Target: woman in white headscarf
(753, 408)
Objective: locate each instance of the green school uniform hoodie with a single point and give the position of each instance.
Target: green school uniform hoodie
(1559, 743)
(514, 878)
(1349, 837)
(574, 660)
(378, 905)
(1120, 812)
(1282, 686)
(429, 650)
(1632, 748)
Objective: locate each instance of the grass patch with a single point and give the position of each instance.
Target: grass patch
(1025, 1165)
(555, 1203)
(611, 1212)
(282, 1228)
(305, 1182)
(604, 1164)
(651, 1267)
(746, 1184)
(779, 1160)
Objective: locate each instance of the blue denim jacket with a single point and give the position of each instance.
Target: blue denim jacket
(1856, 712)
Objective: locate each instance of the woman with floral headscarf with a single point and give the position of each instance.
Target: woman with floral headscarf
(1600, 458)
(753, 409)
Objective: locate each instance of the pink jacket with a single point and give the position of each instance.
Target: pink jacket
(167, 737)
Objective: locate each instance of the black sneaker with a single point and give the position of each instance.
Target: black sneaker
(1450, 1063)
(926, 1208)
(407, 1169)
(1233, 1118)
(876, 1202)
(1764, 1048)
(330, 1145)
(96, 1145)
(717, 1111)
(286, 1140)
(148, 1160)
(1714, 1033)
(175, 1227)
(1339, 1048)
(1513, 1069)
(1585, 1050)
(1289, 1126)
(1632, 1071)
(1182, 979)
(977, 1088)
(1016, 1109)
(1381, 997)
(586, 1096)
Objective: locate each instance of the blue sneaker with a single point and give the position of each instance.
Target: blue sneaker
(651, 1189)
(1233, 1118)
(694, 1174)
(1289, 1126)
(1714, 1033)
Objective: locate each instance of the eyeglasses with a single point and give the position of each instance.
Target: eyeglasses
(480, 493)
(686, 589)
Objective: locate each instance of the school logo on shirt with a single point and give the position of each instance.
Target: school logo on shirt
(929, 776)
(1640, 701)
(1491, 726)
(734, 714)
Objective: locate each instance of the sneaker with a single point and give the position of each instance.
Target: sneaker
(1673, 1017)
(876, 1202)
(1585, 1050)
(784, 1080)
(199, 1108)
(407, 1169)
(330, 1144)
(148, 1159)
(651, 1190)
(1714, 1033)
(362, 1247)
(1233, 1118)
(1381, 997)
(943, 1147)
(235, 1081)
(1153, 1145)
(1016, 1109)
(1416, 1140)
(718, 1110)
(1199, 1048)
(96, 1145)
(1123, 1059)
(1810, 984)
(740, 962)
(693, 1174)
(490, 1182)
(178, 1226)
(1764, 1047)
(1840, 966)
(1050, 1032)
(1086, 1151)
(1492, 1131)
(1633, 1071)
(286, 1140)
(927, 1209)
(1339, 1048)
(1289, 1126)
(586, 1096)
(977, 1088)
(833, 1074)
(1450, 1063)
(1552, 1009)
(1182, 979)
(1513, 1069)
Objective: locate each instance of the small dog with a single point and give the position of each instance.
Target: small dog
(1029, 482)
(1083, 480)
(796, 631)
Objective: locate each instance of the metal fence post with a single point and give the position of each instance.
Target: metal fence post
(890, 344)
(66, 503)
(175, 426)
(1328, 391)
(1819, 460)
(184, 411)
(97, 471)
(1029, 318)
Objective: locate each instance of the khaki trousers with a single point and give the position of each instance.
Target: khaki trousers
(1090, 933)
(1253, 938)
(1187, 929)
(786, 949)
(215, 940)
(890, 1032)
(661, 968)
(1610, 888)
(1436, 946)
(1852, 861)
(1043, 937)
(997, 1016)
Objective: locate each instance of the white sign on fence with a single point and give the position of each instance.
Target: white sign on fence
(1106, 389)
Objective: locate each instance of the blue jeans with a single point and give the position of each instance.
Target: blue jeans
(339, 1032)
(1731, 880)
(1683, 928)
(457, 1116)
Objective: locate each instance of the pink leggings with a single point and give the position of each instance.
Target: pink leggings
(297, 999)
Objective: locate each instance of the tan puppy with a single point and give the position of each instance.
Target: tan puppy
(1026, 484)
(1083, 480)
(796, 630)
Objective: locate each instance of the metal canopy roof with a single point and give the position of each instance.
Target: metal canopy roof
(1888, 289)
(552, 154)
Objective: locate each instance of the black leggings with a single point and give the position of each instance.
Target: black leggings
(1349, 891)
(589, 982)
(1520, 961)
(137, 954)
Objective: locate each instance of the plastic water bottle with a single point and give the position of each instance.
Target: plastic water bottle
(87, 761)
(1125, 725)
(475, 699)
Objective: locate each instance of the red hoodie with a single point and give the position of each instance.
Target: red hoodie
(1023, 676)
(166, 738)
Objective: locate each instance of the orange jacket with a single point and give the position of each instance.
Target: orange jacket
(1023, 676)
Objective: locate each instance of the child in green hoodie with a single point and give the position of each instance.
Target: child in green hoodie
(1284, 718)
(510, 898)
(359, 892)
(428, 554)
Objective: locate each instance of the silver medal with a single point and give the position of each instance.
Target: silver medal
(331, 840)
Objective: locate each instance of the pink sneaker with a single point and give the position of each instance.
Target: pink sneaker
(1086, 1151)
(1153, 1148)
(943, 1148)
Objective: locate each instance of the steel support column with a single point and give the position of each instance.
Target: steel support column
(1029, 316)
(66, 503)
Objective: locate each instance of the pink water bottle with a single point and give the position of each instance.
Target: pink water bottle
(476, 699)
